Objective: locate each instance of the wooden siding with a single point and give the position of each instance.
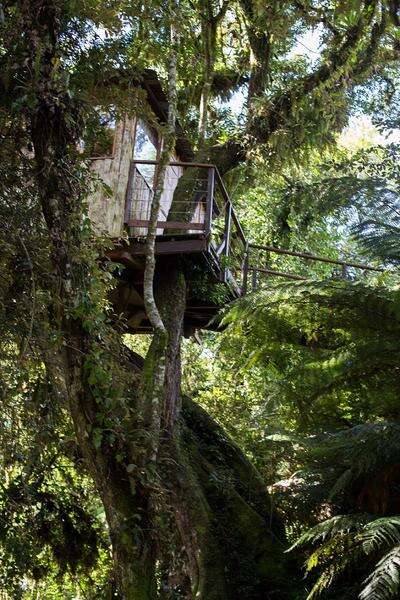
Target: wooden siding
(106, 209)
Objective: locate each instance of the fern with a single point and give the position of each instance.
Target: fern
(334, 344)
(379, 234)
(384, 582)
(343, 541)
(380, 532)
(330, 528)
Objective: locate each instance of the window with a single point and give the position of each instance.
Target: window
(145, 149)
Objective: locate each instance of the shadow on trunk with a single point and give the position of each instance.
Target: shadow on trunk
(233, 543)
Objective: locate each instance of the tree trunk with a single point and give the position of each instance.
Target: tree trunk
(171, 298)
(78, 361)
(234, 543)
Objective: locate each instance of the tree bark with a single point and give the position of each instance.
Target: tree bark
(234, 543)
(76, 355)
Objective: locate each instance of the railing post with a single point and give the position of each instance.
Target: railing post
(227, 237)
(245, 270)
(209, 201)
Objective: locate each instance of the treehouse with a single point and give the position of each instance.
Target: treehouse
(197, 226)
(196, 223)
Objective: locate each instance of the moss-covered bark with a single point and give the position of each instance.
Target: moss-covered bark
(233, 540)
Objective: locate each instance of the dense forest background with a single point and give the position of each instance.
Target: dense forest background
(278, 476)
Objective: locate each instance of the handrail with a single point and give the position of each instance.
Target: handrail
(310, 256)
(226, 195)
(278, 273)
(221, 184)
(178, 163)
(230, 241)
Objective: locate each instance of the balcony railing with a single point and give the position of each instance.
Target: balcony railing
(194, 203)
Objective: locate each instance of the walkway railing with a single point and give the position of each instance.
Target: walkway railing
(196, 204)
(256, 265)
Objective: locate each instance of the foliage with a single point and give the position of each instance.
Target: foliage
(330, 349)
(303, 358)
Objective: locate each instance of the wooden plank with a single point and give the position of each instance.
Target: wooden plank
(167, 224)
(124, 256)
(171, 247)
(129, 190)
(221, 247)
(239, 227)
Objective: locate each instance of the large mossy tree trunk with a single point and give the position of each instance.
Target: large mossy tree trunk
(224, 514)
(84, 369)
(221, 515)
(225, 522)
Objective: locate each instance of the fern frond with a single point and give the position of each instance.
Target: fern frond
(384, 582)
(324, 581)
(380, 532)
(337, 525)
(342, 556)
(380, 233)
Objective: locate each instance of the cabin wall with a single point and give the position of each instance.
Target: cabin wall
(107, 207)
(107, 202)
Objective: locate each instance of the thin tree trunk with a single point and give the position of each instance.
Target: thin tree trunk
(156, 368)
(208, 34)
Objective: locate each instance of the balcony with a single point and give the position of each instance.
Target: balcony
(197, 221)
(196, 217)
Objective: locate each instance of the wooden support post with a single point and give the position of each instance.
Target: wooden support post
(129, 192)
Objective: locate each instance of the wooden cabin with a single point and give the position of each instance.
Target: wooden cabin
(197, 223)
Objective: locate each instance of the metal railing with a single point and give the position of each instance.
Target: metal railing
(256, 264)
(194, 203)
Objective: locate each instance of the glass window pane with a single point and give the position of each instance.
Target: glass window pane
(145, 149)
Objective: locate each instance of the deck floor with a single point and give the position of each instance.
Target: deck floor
(200, 313)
